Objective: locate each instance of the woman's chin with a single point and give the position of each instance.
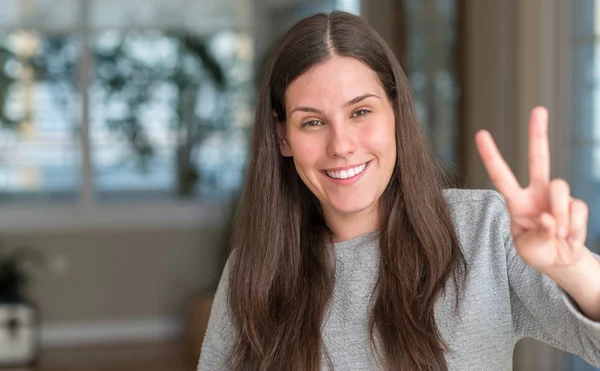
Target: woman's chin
(350, 207)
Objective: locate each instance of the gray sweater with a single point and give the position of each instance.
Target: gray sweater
(504, 300)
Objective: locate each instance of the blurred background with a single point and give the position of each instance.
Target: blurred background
(124, 128)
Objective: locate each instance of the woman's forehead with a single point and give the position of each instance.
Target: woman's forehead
(337, 80)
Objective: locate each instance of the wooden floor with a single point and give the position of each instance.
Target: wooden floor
(170, 356)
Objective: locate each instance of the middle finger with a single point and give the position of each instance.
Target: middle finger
(539, 151)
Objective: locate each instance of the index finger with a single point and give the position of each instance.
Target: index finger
(497, 168)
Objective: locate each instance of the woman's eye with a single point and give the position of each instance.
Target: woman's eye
(312, 123)
(360, 112)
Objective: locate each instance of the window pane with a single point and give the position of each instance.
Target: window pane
(431, 69)
(587, 186)
(170, 113)
(583, 12)
(585, 133)
(585, 87)
(38, 115)
(584, 169)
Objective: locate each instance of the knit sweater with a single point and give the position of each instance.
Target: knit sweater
(502, 301)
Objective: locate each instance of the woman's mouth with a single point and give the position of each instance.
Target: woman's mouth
(346, 173)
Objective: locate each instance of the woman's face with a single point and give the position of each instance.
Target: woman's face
(340, 132)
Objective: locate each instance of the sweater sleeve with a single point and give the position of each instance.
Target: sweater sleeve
(543, 311)
(220, 333)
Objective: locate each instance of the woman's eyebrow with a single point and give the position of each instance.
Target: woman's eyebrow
(359, 98)
(349, 103)
(304, 109)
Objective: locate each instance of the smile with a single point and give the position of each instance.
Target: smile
(347, 173)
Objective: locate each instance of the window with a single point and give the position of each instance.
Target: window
(169, 106)
(585, 134)
(122, 116)
(38, 116)
(169, 113)
(432, 36)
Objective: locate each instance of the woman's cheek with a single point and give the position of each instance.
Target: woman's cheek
(377, 136)
(307, 150)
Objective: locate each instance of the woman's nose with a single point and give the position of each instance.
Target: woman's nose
(341, 141)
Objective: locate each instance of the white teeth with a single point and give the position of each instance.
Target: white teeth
(344, 174)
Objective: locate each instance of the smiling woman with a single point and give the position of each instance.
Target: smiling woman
(350, 253)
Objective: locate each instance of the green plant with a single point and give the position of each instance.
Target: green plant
(14, 275)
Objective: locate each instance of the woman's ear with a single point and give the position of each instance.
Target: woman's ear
(284, 146)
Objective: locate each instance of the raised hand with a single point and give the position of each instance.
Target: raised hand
(548, 226)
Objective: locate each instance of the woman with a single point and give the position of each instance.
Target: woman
(349, 254)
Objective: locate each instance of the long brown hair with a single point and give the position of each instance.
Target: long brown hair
(282, 272)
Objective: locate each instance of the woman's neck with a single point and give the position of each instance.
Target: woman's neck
(346, 226)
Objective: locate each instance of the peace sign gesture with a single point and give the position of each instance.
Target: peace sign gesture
(548, 225)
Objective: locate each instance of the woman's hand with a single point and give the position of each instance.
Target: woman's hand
(548, 226)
